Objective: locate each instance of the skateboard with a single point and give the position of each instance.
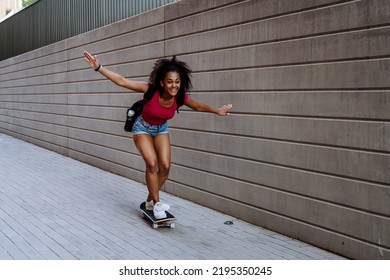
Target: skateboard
(156, 223)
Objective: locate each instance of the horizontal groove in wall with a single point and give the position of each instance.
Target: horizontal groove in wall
(308, 117)
(26, 137)
(203, 10)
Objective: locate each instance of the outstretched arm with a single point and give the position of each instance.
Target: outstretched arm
(114, 77)
(201, 107)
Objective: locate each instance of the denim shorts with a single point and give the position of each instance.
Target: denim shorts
(142, 127)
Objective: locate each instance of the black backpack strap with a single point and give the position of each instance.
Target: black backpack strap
(150, 92)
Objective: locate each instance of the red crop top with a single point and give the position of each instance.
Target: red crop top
(155, 114)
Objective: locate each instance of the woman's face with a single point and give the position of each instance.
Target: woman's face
(171, 83)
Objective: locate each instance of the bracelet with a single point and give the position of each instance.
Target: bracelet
(99, 67)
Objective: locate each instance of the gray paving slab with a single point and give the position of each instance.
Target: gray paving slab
(55, 207)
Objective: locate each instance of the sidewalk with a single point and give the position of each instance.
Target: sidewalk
(54, 207)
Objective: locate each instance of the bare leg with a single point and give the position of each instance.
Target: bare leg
(162, 147)
(145, 145)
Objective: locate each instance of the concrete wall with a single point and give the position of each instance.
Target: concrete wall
(306, 149)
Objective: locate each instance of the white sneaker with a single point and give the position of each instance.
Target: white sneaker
(159, 206)
(149, 205)
(159, 210)
(159, 215)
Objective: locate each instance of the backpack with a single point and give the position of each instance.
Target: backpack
(136, 109)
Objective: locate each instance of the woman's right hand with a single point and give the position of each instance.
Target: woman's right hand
(92, 60)
(114, 77)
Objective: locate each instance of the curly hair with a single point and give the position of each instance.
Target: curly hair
(162, 67)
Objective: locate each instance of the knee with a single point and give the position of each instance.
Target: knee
(152, 166)
(164, 168)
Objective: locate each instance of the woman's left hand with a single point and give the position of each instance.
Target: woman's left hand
(224, 110)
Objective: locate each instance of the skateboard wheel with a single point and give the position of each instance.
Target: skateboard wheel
(172, 225)
(155, 226)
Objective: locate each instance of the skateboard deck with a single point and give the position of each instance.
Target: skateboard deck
(156, 223)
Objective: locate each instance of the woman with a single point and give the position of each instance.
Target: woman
(172, 80)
